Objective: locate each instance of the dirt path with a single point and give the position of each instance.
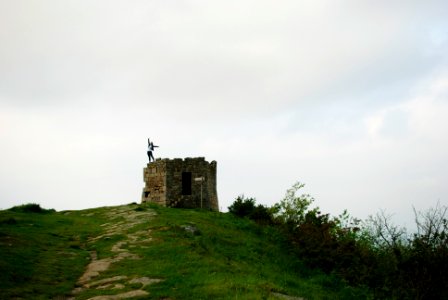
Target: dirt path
(120, 251)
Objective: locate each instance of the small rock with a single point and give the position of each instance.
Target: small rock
(127, 295)
(286, 297)
(111, 286)
(106, 280)
(145, 281)
(191, 229)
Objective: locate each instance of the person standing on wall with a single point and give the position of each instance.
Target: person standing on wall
(151, 147)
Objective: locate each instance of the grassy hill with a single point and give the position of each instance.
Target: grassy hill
(151, 252)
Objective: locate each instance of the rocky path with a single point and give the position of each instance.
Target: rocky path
(121, 222)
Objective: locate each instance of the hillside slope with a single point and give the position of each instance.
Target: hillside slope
(150, 252)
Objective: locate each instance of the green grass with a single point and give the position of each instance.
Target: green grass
(223, 257)
(42, 254)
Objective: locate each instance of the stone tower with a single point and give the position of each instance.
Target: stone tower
(187, 183)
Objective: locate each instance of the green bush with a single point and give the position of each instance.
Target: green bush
(374, 254)
(419, 264)
(31, 208)
(245, 207)
(242, 207)
(292, 209)
(262, 215)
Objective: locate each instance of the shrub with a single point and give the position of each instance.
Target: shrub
(262, 215)
(242, 207)
(245, 207)
(410, 267)
(374, 253)
(31, 208)
(292, 209)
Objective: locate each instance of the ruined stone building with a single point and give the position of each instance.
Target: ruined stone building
(187, 183)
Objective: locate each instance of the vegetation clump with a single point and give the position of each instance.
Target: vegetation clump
(374, 253)
(245, 207)
(31, 208)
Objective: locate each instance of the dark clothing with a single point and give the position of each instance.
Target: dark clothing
(150, 156)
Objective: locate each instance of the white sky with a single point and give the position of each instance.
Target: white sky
(349, 97)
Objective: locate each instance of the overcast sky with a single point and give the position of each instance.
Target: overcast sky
(348, 97)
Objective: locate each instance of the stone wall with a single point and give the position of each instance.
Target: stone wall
(188, 183)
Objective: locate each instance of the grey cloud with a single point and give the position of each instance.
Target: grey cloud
(238, 53)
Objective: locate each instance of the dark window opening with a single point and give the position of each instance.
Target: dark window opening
(186, 183)
(146, 194)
